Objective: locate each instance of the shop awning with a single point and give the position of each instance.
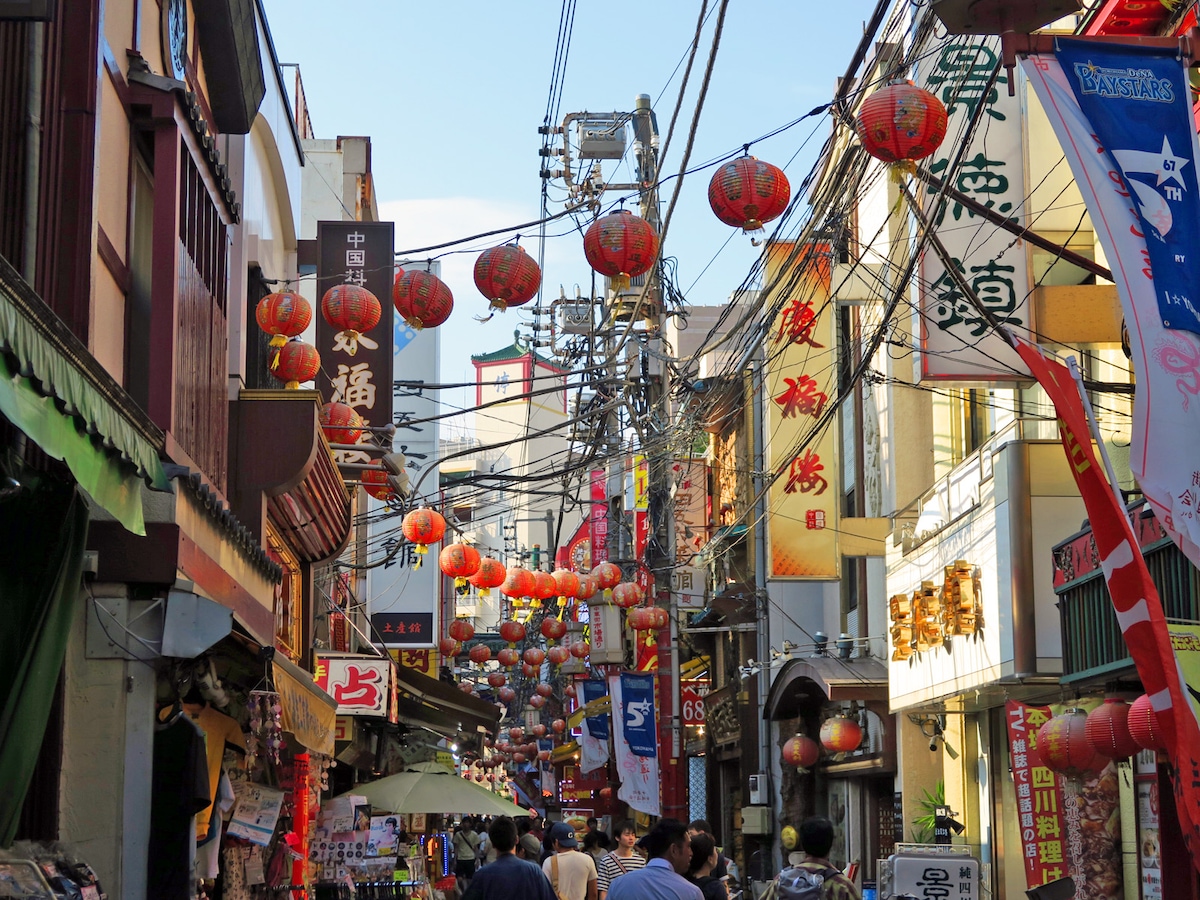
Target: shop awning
(52, 388)
(471, 713)
(803, 682)
(309, 713)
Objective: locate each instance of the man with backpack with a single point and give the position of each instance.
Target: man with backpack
(815, 878)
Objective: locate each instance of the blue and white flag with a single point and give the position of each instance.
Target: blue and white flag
(597, 726)
(1139, 106)
(593, 740)
(637, 713)
(638, 775)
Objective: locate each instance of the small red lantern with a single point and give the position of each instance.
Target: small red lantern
(558, 655)
(491, 574)
(506, 694)
(569, 689)
(340, 423)
(480, 654)
(544, 586)
(587, 588)
(507, 276)
(375, 482)
(539, 730)
(627, 595)
(496, 679)
(512, 632)
(543, 755)
(747, 192)
(449, 647)
(423, 527)
(537, 701)
(558, 726)
(641, 618)
(467, 687)
(460, 562)
(534, 656)
(518, 757)
(518, 583)
(1062, 745)
(606, 793)
(580, 649)
(283, 315)
(567, 583)
(840, 734)
(608, 575)
(901, 122)
(528, 670)
(553, 629)
(660, 617)
(461, 630)
(422, 299)
(1107, 730)
(295, 362)
(351, 309)
(508, 657)
(1143, 725)
(621, 246)
(516, 732)
(544, 689)
(801, 752)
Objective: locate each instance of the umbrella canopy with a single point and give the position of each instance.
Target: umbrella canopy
(431, 788)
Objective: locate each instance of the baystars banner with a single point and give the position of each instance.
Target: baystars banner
(638, 774)
(637, 714)
(593, 745)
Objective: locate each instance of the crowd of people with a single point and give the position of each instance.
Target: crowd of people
(502, 858)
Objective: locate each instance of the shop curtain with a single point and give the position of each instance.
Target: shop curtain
(42, 536)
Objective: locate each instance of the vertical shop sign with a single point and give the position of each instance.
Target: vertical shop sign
(957, 343)
(598, 518)
(689, 495)
(1149, 853)
(1039, 801)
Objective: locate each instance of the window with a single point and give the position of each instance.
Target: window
(289, 598)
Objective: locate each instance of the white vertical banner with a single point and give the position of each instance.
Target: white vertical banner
(638, 774)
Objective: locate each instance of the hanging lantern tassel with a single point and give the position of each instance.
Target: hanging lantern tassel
(349, 340)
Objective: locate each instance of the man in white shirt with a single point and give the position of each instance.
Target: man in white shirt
(572, 874)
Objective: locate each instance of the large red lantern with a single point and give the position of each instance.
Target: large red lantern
(587, 588)
(567, 583)
(801, 752)
(449, 647)
(901, 122)
(491, 574)
(1062, 745)
(496, 679)
(351, 309)
(506, 694)
(295, 362)
(1143, 725)
(747, 192)
(840, 734)
(534, 656)
(544, 586)
(340, 423)
(621, 246)
(580, 649)
(518, 583)
(422, 299)
(508, 657)
(544, 689)
(423, 527)
(512, 632)
(507, 276)
(627, 595)
(480, 654)
(459, 561)
(641, 618)
(553, 629)
(375, 482)
(558, 655)
(558, 726)
(283, 315)
(461, 630)
(1107, 730)
(660, 617)
(607, 575)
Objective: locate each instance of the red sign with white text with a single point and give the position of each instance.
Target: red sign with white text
(361, 685)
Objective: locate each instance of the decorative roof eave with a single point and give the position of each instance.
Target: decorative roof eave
(517, 350)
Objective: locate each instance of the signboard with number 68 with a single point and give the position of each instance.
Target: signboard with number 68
(691, 700)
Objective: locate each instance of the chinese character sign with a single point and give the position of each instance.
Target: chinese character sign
(801, 384)
(1039, 801)
(361, 685)
(956, 341)
(934, 877)
(400, 629)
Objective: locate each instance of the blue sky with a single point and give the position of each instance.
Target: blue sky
(452, 93)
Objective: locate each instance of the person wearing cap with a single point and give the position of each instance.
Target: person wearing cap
(669, 848)
(572, 874)
(508, 876)
(530, 848)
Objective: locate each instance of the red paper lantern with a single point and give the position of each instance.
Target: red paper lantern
(295, 362)
(580, 649)
(283, 315)
(534, 656)
(1143, 725)
(508, 657)
(528, 670)
(558, 726)
(627, 594)
(375, 482)
(1062, 745)
(901, 122)
(460, 562)
(449, 647)
(544, 585)
(567, 583)
(539, 730)
(518, 583)
(461, 630)
(660, 616)
(801, 751)
(558, 655)
(544, 689)
(553, 629)
(496, 679)
(422, 299)
(480, 654)
(507, 276)
(518, 757)
(467, 687)
(569, 689)
(491, 574)
(1107, 730)
(587, 588)
(537, 701)
(516, 732)
(512, 631)
(747, 192)
(423, 526)
(351, 309)
(641, 618)
(543, 755)
(608, 575)
(621, 246)
(840, 734)
(507, 694)
(340, 423)
(606, 793)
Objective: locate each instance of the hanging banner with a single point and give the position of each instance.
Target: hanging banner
(593, 743)
(312, 718)
(361, 685)
(637, 714)
(597, 725)
(957, 344)
(638, 774)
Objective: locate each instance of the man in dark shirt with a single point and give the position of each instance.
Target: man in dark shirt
(508, 877)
